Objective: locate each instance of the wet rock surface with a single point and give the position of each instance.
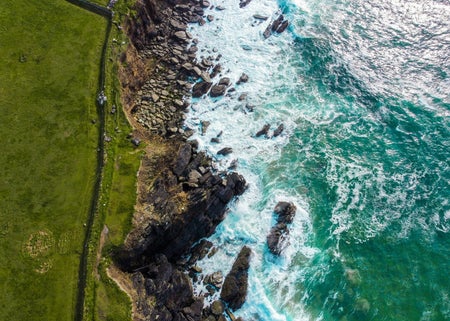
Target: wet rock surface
(279, 25)
(181, 197)
(234, 290)
(278, 236)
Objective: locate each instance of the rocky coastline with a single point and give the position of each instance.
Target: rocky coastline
(182, 197)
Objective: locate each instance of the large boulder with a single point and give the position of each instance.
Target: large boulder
(234, 290)
(285, 212)
(277, 238)
(182, 160)
(200, 88)
(218, 90)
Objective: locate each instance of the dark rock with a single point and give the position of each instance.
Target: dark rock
(194, 311)
(220, 8)
(216, 70)
(225, 151)
(200, 88)
(182, 159)
(242, 78)
(263, 131)
(193, 49)
(161, 314)
(199, 251)
(260, 17)
(268, 32)
(278, 25)
(218, 90)
(233, 164)
(277, 132)
(234, 290)
(205, 4)
(217, 307)
(181, 35)
(277, 22)
(242, 97)
(215, 140)
(215, 279)
(283, 26)
(243, 3)
(204, 126)
(224, 81)
(276, 240)
(171, 289)
(186, 197)
(285, 211)
(250, 107)
(209, 18)
(177, 25)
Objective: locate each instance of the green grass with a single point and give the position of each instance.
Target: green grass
(49, 70)
(104, 300)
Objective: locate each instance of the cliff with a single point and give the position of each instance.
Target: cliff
(181, 196)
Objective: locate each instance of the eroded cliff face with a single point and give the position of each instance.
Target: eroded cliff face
(181, 196)
(184, 202)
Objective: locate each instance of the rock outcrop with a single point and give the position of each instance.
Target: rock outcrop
(277, 238)
(234, 290)
(181, 197)
(187, 201)
(279, 25)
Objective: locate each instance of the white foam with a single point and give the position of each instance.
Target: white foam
(251, 216)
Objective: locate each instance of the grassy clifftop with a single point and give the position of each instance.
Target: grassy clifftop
(50, 53)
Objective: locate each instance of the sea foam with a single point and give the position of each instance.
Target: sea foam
(237, 36)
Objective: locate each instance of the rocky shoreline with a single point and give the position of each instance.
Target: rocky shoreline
(182, 197)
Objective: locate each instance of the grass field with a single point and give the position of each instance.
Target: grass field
(104, 300)
(49, 70)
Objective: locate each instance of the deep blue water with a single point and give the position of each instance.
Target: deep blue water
(362, 88)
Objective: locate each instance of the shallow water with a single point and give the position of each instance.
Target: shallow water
(362, 89)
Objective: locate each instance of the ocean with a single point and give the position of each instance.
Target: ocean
(363, 91)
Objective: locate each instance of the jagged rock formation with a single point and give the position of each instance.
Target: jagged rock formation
(277, 238)
(234, 290)
(181, 197)
(188, 200)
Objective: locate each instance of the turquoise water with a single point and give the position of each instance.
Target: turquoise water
(363, 91)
